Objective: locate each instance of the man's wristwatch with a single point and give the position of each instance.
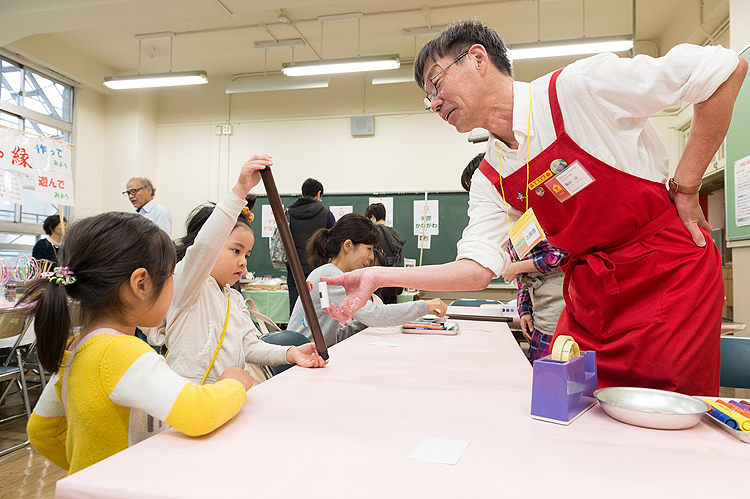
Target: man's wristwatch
(675, 187)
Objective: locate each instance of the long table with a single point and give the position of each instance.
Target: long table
(346, 431)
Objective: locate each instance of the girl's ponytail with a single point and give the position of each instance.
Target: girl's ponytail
(52, 322)
(325, 244)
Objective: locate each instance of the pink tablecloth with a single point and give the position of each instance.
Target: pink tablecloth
(346, 431)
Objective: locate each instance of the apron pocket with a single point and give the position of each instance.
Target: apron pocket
(637, 302)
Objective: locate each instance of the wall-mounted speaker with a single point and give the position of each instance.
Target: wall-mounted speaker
(362, 125)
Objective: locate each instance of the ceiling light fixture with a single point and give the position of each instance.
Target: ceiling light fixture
(337, 66)
(279, 44)
(404, 74)
(582, 46)
(259, 83)
(153, 80)
(434, 30)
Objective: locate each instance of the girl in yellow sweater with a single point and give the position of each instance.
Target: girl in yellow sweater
(110, 390)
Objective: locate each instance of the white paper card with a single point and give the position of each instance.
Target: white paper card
(10, 187)
(269, 223)
(742, 192)
(423, 242)
(340, 211)
(384, 344)
(54, 189)
(426, 218)
(436, 450)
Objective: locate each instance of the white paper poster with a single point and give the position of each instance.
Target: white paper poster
(742, 191)
(54, 188)
(426, 217)
(340, 211)
(50, 155)
(388, 203)
(423, 242)
(10, 187)
(269, 223)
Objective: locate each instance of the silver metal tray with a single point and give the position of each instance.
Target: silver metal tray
(651, 408)
(740, 435)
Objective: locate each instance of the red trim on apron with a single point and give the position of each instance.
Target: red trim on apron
(637, 289)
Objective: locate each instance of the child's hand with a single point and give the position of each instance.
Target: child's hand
(436, 306)
(510, 274)
(250, 174)
(240, 375)
(527, 327)
(305, 356)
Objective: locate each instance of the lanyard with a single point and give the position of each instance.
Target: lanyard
(221, 341)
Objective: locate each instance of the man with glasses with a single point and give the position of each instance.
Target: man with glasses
(642, 287)
(140, 191)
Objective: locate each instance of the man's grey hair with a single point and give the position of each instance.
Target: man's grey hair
(147, 183)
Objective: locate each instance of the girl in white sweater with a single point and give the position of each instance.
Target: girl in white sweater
(208, 327)
(348, 246)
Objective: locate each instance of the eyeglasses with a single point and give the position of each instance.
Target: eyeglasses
(132, 192)
(431, 85)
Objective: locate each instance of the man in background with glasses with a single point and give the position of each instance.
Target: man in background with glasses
(140, 191)
(643, 287)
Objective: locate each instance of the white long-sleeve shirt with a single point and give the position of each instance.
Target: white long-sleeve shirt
(199, 306)
(605, 103)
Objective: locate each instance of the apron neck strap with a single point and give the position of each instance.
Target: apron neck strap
(554, 104)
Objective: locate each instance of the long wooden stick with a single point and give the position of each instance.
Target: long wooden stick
(294, 263)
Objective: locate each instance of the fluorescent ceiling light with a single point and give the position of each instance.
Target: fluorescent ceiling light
(272, 83)
(279, 44)
(581, 46)
(335, 66)
(412, 32)
(171, 79)
(404, 74)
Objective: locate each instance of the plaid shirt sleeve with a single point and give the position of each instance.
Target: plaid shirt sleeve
(524, 299)
(546, 257)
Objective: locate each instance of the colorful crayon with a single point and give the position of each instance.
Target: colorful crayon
(741, 422)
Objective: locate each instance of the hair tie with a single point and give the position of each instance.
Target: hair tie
(247, 214)
(62, 275)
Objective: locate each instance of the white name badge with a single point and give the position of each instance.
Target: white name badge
(570, 182)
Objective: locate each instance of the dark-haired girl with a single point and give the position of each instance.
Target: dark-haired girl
(208, 327)
(348, 246)
(110, 390)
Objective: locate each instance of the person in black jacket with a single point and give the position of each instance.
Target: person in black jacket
(46, 249)
(306, 215)
(391, 242)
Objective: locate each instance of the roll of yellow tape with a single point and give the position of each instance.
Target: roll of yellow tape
(564, 349)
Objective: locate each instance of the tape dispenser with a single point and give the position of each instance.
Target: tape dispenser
(564, 383)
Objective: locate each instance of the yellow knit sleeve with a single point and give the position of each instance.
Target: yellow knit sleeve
(201, 409)
(48, 435)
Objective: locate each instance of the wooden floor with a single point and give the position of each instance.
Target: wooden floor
(24, 473)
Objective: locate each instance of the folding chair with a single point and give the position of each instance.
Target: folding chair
(14, 323)
(735, 362)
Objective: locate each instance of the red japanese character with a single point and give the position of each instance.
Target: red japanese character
(21, 157)
(43, 181)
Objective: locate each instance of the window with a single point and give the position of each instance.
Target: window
(39, 104)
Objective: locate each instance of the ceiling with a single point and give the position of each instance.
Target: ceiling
(218, 35)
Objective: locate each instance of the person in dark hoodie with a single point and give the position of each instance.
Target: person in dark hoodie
(306, 215)
(391, 242)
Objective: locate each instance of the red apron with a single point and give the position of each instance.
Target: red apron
(637, 289)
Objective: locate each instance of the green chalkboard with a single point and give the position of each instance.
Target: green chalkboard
(738, 147)
(453, 218)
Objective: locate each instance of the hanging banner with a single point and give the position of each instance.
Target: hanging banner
(52, 156)
(55, 189)
(10, 187)
(426, 217)
(15, 151)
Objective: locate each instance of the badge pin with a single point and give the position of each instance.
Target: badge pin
(558, 166)
(521, 196)
(539, 191)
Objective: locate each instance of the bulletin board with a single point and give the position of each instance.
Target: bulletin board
(736, 179)
(452, 212)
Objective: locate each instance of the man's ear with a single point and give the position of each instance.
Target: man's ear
(479, 58)
(140, 283)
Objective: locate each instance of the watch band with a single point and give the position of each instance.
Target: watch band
(675, 187)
